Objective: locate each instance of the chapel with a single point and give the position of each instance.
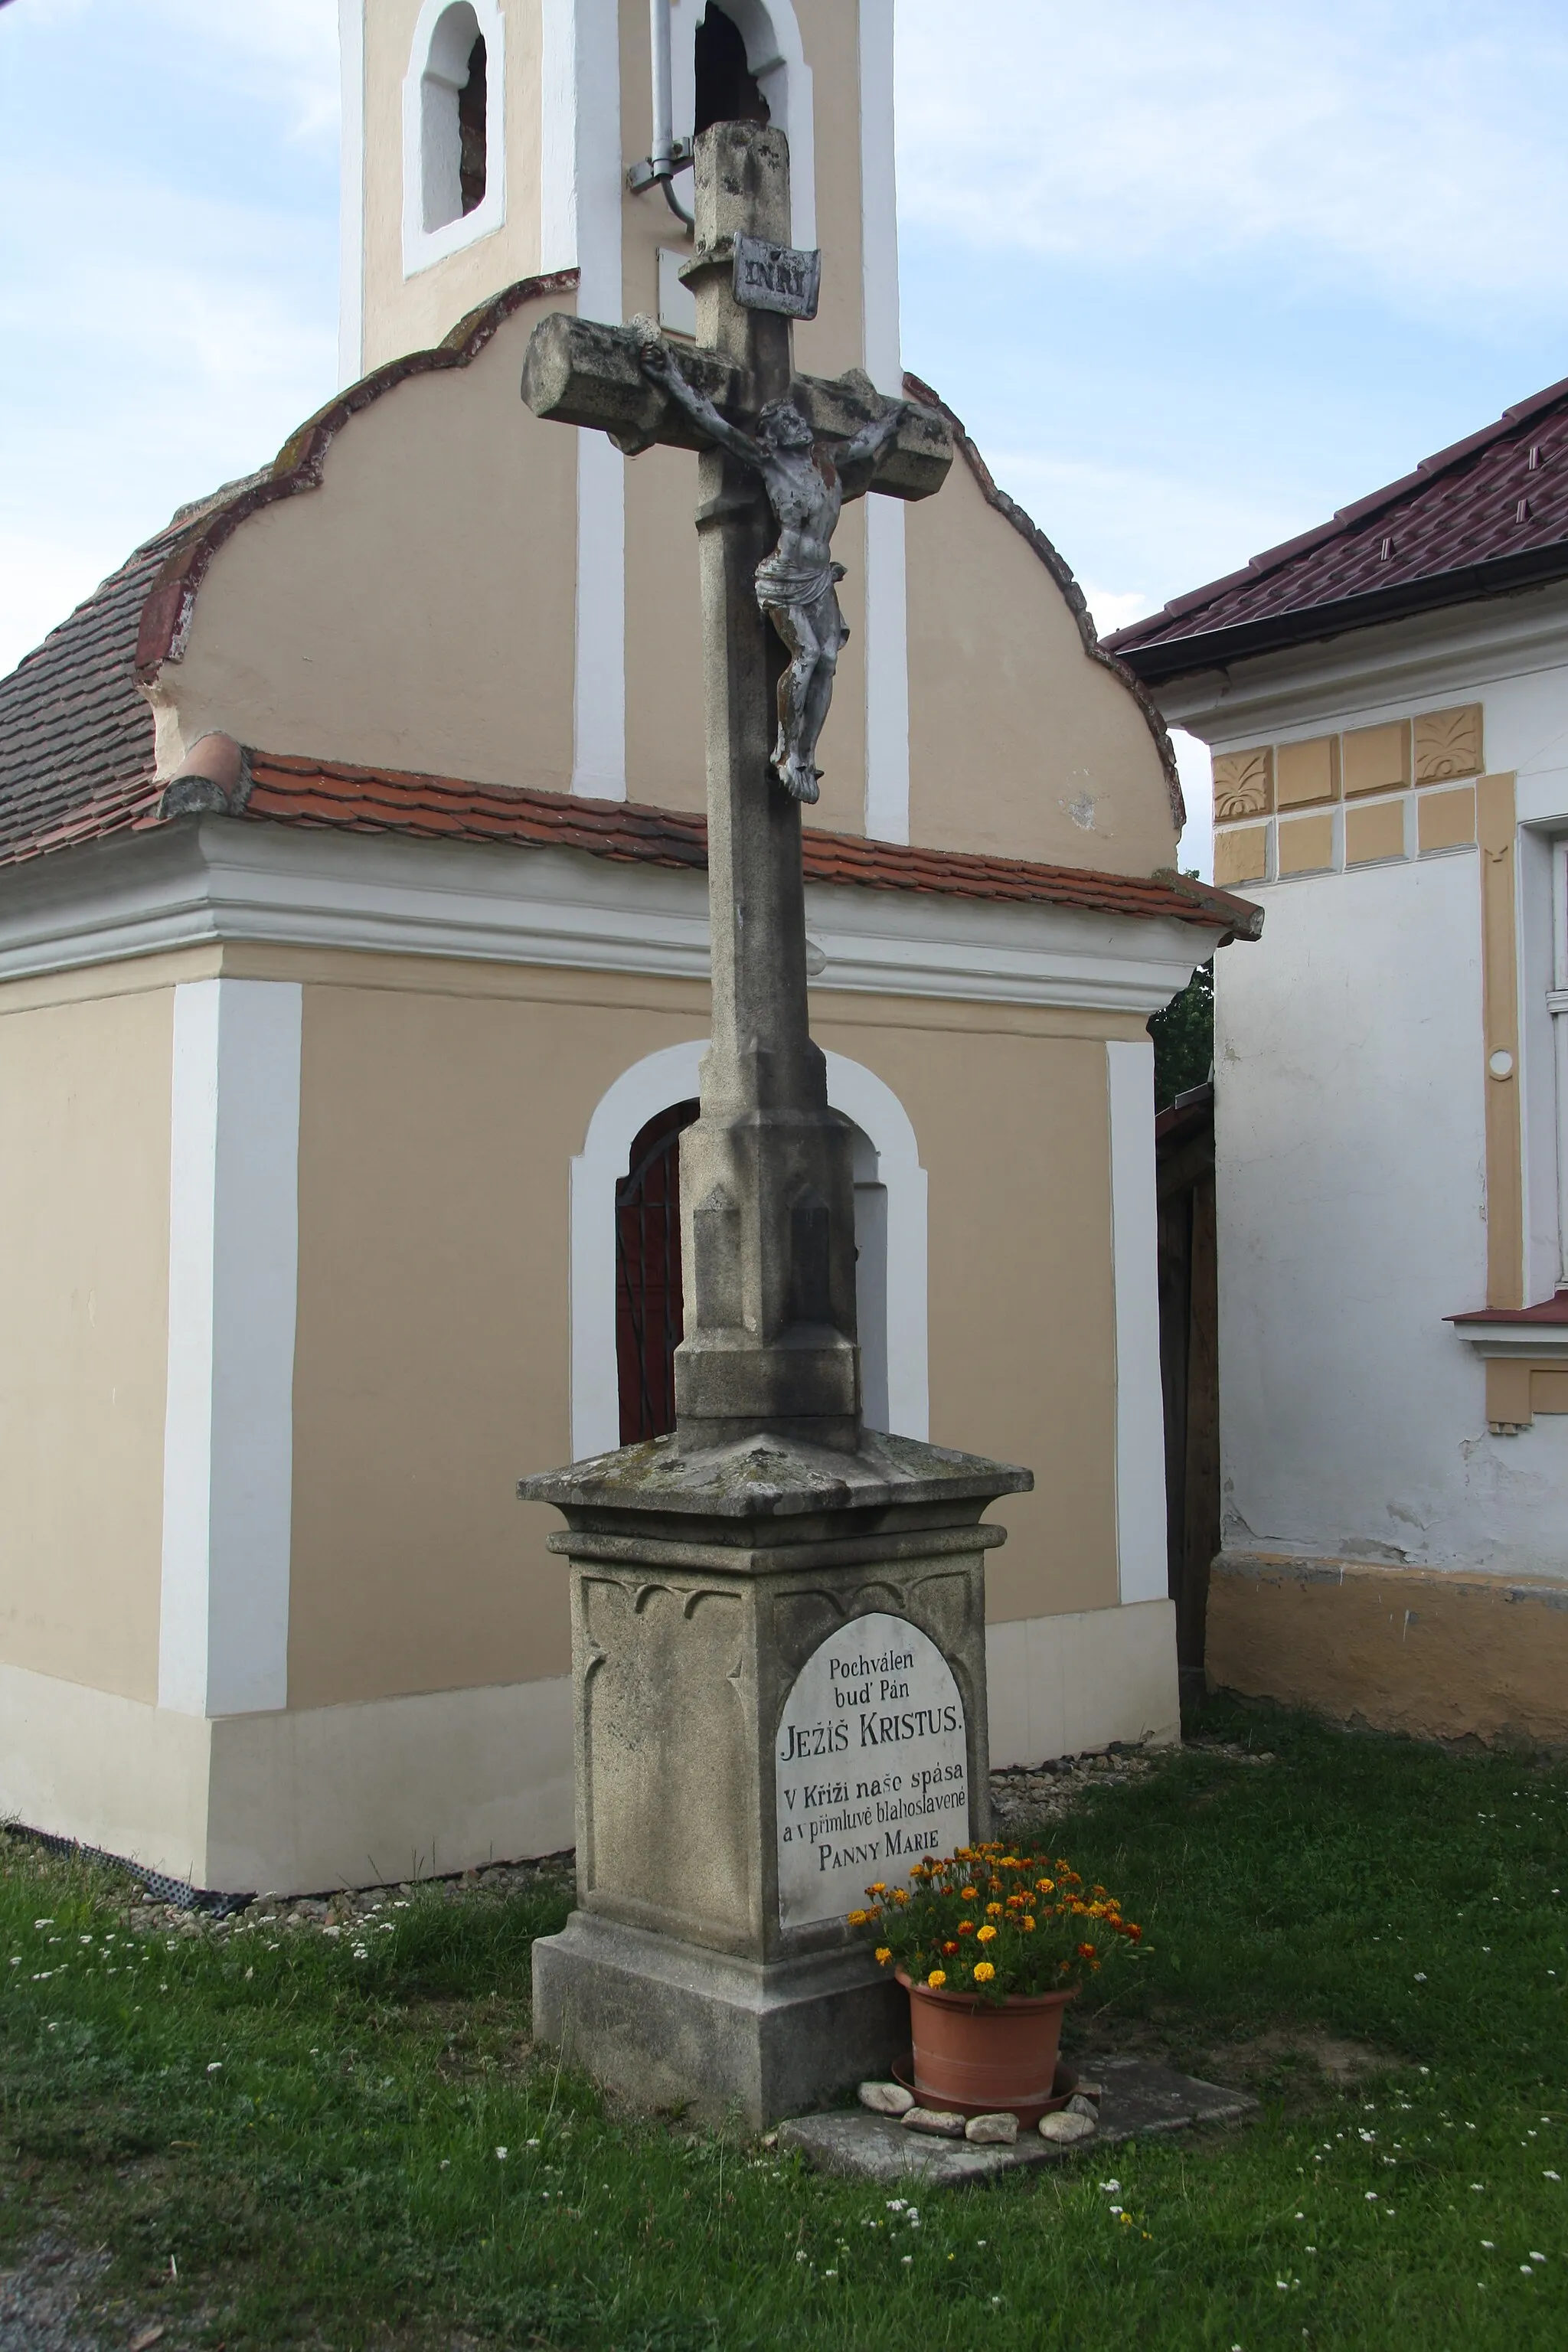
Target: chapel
(353, 985)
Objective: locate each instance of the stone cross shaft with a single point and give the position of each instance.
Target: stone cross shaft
(766, 1179)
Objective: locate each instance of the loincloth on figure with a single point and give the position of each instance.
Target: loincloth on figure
(806, 588)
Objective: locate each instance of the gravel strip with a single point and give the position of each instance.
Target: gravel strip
(40, 2301)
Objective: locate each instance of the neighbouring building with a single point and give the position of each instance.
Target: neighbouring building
(1386, 699)
(353, 987)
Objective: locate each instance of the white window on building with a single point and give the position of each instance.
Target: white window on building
(453, 176)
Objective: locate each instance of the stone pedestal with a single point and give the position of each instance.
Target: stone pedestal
(778, 1653)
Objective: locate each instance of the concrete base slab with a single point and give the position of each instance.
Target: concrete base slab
(664, 2022)
(1139, 2098)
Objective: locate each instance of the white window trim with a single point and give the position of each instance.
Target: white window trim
(423, 247)
(671, 1076)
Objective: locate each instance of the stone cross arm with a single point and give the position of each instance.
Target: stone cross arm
(580, 372)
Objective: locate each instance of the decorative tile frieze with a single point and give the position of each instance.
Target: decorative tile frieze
(1305, 773)
(1241, 856)
(1448, 744)
(1446, 820)
(1243, 784)
(1375, 758)
(1374, 833)
(1306, 846)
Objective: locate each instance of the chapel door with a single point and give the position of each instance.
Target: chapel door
(650, 1308)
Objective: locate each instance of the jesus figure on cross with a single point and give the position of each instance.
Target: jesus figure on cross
(798, 583)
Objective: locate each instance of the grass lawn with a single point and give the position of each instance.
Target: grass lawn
(280, 2142)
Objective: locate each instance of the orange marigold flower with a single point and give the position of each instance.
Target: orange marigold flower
(900, 1894)
(1086, 1951)
(883, 1956)
(966, 1927)
(881, 1887)
(951, 1945)
(966, 1893)
(994, 1911)
(859, 1918)
(1133, 1929)
(985, 1934)
(1045, 1885)
(937, 1978)
(983, 1971)
(1029, 1923)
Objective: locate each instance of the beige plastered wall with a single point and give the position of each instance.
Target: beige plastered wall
(441, 1106)
(416, 610)
(410, 314)
(1436, 1655)
(85, 1076)
(1021, 744)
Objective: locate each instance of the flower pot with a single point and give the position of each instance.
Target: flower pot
(976, 2058)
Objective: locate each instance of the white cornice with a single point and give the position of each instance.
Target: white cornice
(1366, 673)
(1516, 1340)
(205, 880)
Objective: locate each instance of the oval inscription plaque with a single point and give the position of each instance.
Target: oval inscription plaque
(872, 1764)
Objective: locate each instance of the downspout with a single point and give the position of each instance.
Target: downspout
(670, 154)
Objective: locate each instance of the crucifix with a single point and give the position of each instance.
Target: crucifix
(767, 1186)
(774, 1585)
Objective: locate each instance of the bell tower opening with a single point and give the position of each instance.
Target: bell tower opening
(727, 89)
(471, 130)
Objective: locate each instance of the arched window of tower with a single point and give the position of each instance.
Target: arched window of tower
(452, 118)
(727, 89)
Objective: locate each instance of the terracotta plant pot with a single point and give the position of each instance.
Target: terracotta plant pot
(973, 2058)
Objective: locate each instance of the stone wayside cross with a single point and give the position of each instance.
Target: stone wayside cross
(778, 1617)
(766, 1179)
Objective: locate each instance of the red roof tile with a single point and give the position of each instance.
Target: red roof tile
(1554, 1310)
(1485, 516)
(437, 808)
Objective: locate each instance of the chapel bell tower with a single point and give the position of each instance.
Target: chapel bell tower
(490, 141)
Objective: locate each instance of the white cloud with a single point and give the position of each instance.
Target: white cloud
(1411, 146)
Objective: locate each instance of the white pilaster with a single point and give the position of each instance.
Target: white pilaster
(350, 192)
(1141, 1567)
(233, 1273)
(887, 634)
(580, 215)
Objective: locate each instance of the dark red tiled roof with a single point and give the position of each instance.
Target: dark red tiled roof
(1485, 516)
(1553, 1310)
(76, 737)
(438, 808)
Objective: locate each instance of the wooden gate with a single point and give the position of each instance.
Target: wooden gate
(1189, 1364)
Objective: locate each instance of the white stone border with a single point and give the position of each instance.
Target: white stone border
(422, 246)
(1143, 1570)
(228, 1437)
(652, 1085)
(351, 195)
(581, 196)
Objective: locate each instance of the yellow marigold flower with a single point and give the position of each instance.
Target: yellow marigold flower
(966, 1893)
(859, 1918)
(1029, 1923)
(900, 1894)
(983, 1971)
(883, 1956)
(937, 1978)
(1045, 1885)
(993, 1910)
(985, 1935)
(881, 1887)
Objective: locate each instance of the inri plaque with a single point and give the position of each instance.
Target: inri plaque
(872, 1767)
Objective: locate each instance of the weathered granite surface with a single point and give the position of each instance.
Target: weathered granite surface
(1139, 2097)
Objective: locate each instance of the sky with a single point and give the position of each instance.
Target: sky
(1193, 277)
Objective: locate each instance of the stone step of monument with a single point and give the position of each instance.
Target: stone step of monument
(1139, 2097)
